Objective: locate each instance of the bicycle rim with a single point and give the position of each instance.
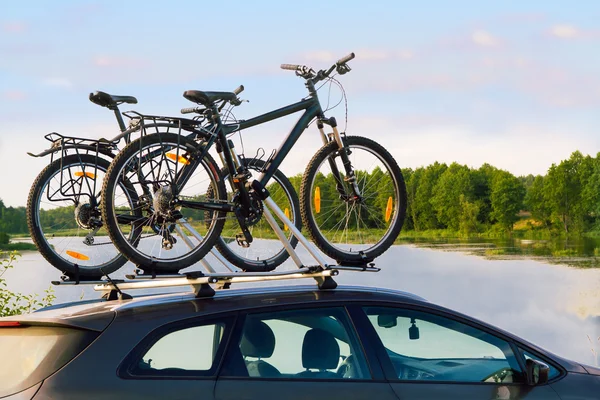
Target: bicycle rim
(64, 217)
(344, 226)
(167, 236)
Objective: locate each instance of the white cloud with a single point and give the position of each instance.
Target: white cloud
(58, 82)
(483, 38)
(118, 62)
(321, 56)
(565, 31)
(361, 54)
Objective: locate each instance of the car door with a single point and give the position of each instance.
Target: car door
(428, 354)
(299, 353)
(176, 361)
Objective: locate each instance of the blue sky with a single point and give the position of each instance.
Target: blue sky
(512, 83)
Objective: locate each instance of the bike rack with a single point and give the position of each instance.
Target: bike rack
(201, 282)
(321, 271)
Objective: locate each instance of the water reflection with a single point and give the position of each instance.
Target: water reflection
(583, 252)
(554, 306)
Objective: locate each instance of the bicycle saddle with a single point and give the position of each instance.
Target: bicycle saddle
(108, 100)
(207, 98)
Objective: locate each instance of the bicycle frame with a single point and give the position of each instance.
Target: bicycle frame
(312, 109)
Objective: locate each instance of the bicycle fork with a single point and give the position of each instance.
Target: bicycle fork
(343, 152)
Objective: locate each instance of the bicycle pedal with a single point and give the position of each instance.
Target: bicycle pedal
(241, 240)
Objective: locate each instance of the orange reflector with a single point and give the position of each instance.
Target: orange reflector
(9, 324)
(287, 214)
(388, 209)
(88, 174)
(179, 159)
(77, 255)
(318, 199)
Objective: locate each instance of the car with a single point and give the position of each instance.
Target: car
(280, 342)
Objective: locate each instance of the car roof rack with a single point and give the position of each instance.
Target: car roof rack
(201, 282)
(145, 278)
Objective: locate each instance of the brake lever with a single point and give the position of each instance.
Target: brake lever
(305, 72)
(343, 68)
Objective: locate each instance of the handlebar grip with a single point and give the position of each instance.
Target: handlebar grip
(291, 67)
(239, 90)
(189, 110)
(344, 60)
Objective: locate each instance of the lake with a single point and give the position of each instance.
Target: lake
(554, 306)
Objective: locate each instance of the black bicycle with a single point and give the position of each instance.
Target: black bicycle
(63, 209)
(63, 213)
(352, 197)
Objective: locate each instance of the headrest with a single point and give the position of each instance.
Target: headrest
(258, 339)
(320, 350)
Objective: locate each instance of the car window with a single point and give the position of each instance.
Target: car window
(299, 344)
(424, 346)
(553, 373)
(181, 351)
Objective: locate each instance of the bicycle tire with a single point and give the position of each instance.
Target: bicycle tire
(145, 254)
(285, 196)
(337, 239)
(64, 252)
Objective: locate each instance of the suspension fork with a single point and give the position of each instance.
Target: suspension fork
(343, 152)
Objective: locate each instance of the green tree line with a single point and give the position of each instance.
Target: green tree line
(469, 200)
(454, 197)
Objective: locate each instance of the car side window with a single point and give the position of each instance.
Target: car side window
(311, 343)
(423, 346)
(181, 351)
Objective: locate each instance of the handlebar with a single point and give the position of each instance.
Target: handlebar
(291, 67)
(191, 110)
(309, 74)
(239, 90)
(344, 60)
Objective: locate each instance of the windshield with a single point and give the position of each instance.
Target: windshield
(32, 353)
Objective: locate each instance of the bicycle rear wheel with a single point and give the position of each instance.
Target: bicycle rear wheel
(347, 226)
(64, 220)
(266, 252)
(167, 172)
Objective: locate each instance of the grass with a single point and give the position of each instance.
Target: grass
(19, 246)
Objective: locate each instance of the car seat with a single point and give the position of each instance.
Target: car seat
(258, 341)
(320, 352)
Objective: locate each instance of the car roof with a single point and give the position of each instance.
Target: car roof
(97, 313)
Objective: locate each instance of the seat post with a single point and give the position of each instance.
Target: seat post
(119, 117)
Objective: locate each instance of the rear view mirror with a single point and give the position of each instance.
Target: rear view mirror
(537, 372)
(387, 321)
(413, 331)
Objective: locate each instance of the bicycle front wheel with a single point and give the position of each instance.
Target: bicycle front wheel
(63, 216)
(353, 212)
(171, 177)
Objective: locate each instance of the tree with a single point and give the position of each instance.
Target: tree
(412, 185)
(424, 214)
(535, 202)
(12, 303)
(563, 190)
(407, 174)
(455, 180)
(482, 182)
(506, 198)
(468, 217)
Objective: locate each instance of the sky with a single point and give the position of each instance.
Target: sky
(515, 84)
